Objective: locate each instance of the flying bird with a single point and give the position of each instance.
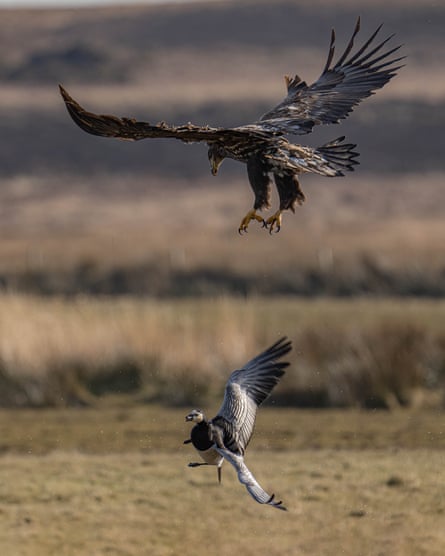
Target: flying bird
(263, 145)
(226, 436)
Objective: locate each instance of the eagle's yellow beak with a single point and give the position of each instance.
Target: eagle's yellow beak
(215, 164)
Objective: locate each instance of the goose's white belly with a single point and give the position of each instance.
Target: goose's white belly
(211, 456)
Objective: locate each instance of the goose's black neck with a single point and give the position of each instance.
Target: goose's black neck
(200, 436)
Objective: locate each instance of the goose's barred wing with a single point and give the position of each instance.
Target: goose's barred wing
(105, 125)
(246, 389)
(246, 478)
(337, 91)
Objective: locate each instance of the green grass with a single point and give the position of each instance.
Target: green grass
(151, 428)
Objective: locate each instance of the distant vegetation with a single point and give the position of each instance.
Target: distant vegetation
(367, 276)
(363, 354)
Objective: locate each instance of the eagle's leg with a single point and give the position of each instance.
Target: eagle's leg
(274, 222)
(290, 194)
(251, 215)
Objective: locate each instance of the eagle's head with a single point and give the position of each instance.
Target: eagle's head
(217, 154)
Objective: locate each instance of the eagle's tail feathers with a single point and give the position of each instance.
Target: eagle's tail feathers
(339, 156)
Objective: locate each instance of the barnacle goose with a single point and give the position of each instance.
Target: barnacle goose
(227, 435)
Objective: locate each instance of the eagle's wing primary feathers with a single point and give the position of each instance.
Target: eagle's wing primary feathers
(354, 77)
(337, 91)
(246, 389)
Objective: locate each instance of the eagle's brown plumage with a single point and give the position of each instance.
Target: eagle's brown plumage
(262, 145)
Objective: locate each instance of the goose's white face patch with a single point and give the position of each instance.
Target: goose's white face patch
(196, 416)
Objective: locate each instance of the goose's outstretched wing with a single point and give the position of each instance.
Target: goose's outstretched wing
(337, 91)
(246, 478)
(106, 125)
(246, 389)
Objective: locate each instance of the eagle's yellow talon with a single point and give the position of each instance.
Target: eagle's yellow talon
(251, 215)
(274, 222)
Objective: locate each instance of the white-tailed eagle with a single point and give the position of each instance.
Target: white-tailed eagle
(263, 145)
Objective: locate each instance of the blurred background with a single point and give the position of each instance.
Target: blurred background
(127, 295)
(121, 269)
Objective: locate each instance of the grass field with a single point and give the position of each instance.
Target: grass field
(115, 481)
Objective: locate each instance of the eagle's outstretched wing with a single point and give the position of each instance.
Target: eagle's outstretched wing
(337, 91)
(106, 125)
(246, 478)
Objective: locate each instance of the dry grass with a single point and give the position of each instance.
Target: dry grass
(360, 503)
(369, 353)
(117, 483)
(124, 221)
